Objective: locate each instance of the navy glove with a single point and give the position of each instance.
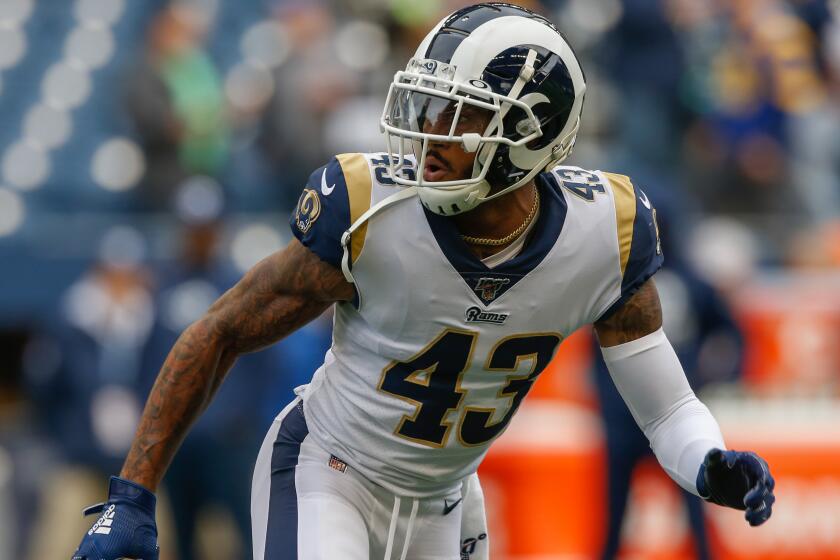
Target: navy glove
(126, 528)
(740, 480)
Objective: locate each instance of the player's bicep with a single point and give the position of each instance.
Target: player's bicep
(640, 315)
(278, 295)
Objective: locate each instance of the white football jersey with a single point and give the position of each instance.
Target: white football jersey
(434, 356)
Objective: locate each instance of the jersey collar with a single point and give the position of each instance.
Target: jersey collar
(489, 284)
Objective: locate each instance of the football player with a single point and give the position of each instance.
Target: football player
(457, 262)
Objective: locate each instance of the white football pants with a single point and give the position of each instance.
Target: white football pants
(309, 505)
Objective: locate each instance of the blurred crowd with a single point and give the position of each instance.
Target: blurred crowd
(151, 151)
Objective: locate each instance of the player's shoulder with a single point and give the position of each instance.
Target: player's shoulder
(357, 171)
(342, 182)
(587, 184)
(345, 173)
(335, 196)
(614, 203)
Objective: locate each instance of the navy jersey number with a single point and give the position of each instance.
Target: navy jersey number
(431, 381)
(476, 425)
(581, 183)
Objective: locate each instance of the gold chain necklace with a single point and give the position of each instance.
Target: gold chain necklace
(514, 234)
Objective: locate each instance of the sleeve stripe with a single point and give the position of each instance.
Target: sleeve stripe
(357, 178)
(625, 214)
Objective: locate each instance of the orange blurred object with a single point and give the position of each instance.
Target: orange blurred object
(566, 379)
(791, 326)
(543, 484)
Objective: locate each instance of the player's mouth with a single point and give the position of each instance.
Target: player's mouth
(436, 168)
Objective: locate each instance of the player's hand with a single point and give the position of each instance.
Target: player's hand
(740, 480)
(126, 527)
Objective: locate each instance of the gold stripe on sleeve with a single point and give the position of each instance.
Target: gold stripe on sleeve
(624, 196)
(357, 177)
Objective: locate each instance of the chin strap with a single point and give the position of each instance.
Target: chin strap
(525, 75)
(402, 194)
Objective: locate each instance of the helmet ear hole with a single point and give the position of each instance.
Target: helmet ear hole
(551, 123)
(549, 134)
(514, 121)
(525, 127)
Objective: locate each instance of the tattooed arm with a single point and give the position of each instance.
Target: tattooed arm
(641, 315)
(279, 295)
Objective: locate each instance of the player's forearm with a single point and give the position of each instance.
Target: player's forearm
(680, 428)
(191, 374)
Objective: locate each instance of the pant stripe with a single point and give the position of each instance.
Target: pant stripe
(274, 497)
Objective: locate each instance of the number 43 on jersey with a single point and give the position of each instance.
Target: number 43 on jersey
(431, 381)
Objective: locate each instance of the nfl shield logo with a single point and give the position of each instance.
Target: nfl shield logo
(488, 288)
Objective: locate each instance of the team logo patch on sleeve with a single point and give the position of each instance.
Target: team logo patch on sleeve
(308, 210)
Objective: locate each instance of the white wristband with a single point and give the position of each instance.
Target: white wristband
(680, 428)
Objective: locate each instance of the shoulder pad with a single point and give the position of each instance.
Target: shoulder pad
(640, 249)
(335, 195)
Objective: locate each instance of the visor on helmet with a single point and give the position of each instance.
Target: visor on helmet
(444, 118)
(427, 108)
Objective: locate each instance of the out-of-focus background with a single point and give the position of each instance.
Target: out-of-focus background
(150, 152)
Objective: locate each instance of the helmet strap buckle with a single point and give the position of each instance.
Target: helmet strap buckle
(527, 72)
